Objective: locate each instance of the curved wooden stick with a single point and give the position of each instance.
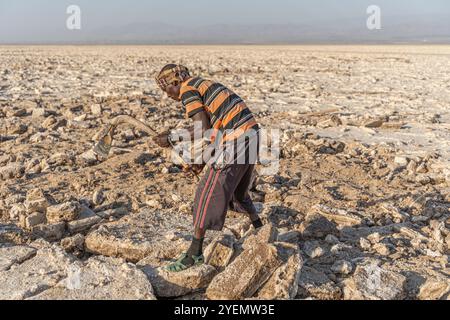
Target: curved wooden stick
(103, 146)
(132, 121)
(106, 139)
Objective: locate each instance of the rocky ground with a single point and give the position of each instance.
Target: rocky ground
(359, 209)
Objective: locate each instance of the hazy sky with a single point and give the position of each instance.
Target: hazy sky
(27, 20)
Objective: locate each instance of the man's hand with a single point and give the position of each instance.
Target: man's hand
(195, 168)
(162, 139)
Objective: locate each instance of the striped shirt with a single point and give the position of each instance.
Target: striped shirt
(228, 114)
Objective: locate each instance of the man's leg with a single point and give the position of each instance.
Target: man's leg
(202, 195)
(196, 248)
(241, 198)
(210, 206)
(211, 202)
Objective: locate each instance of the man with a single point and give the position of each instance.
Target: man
(234, 136)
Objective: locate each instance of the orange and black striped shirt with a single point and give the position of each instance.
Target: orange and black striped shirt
(227, 112)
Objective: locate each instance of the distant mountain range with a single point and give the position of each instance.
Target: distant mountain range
(413, 29)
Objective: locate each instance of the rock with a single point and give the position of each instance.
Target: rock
(336, 120)
(266, 234)
(175, 284)
(317, 227)
(434, 254)
(60, 159)
(31, 220)
(153, 203)
(313, 249)
(37, 205)
(11, 233)
(269, 189)
(374, 123)
(67, 211)
(164, 170)
(115, 212)
(283, 284)
(326, 123)
(401, 161)
(74, 243)
(289, 236)
(17, 128)
(49, 122)
(364, 244)
(50, 232)
(59, 124)
(246, 274)
(330, 147)
(78, 125)
(101, 278)
(40, 112)
(411, 167)
(372, 282)
(87, 218)
(10, 255)
(16, 211)
(382, 249)
(437, 230)
(423, 179)
(339, 216)
(342, 267)
(422, 168)
(214, 69)
(80, 118)
(89, 157)
(316, 284)
(96, 109)
(408, 232)
(36, 201)
(331, 239)
(21, 112)
(136, 237)
(220, 251)
(12, 170)
(434, 289)
(339, 247)
(374, 238)
(98, 197)
(13, 199)
(27, 104)
(35, 275)
(4, 159)
(238, 227)
(85, 211)
(83, 224)
(342, 220)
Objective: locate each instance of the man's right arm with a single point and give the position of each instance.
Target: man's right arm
(197, 130)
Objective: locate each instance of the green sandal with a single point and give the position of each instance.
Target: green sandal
(178, 266)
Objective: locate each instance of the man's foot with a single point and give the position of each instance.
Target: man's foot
(185, 262)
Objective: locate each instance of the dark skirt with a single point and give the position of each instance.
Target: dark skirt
(218, 190)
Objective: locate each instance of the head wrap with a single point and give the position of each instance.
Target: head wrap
(172, 76)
